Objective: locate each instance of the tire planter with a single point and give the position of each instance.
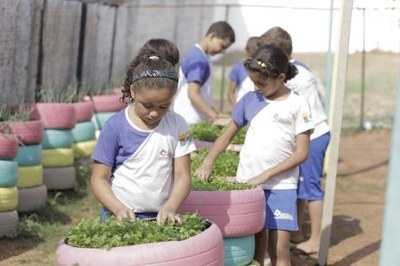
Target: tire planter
(57, 138)
(83, 149)
(29, 155)
(28, 132)
(30, 176)
(8, 173)
(8, 222)
(106, 103)
(8, 146)
(32, 198)
(205, 248)
(59, 178)
(236, 212)
(208, 145)
(101, 118)
(83, 110)
(84, 131)
(57, 115)
(59, 157)
(8, 198)
(239, 251)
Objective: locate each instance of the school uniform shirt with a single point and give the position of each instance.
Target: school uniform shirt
(243, 81)
(142, 160)
(305, 83)
(195, 67)
(271, 135)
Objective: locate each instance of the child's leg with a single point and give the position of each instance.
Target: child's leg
(260, 247)
(297, 236)
(279, 247)
(312, 244)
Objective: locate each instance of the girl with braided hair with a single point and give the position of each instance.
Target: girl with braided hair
(277, 139)
(141, 163)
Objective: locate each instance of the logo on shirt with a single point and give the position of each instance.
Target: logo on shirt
(185, 139)
(163, 153)
(307, 117)
(281, 119)
(278, 215)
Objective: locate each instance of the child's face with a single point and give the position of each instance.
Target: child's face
(152, 104)
(218, 45)
(268, 87)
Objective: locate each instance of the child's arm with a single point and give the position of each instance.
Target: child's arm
(232, 92)
(180, 190)
(300, 155)
(101, 189)
(198, 101)
(220, 144)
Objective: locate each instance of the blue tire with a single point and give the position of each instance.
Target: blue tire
(239, 251)
(29, 155)
(57, 138)
(8, 173)
(84, 131)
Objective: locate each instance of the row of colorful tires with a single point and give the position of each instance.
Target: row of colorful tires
(236, 216)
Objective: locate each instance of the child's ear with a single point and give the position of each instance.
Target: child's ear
(212, 35)
(281, 76)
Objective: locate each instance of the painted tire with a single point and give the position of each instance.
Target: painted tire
(8, 146)
(83, 110)
(106, 103)
(30, 176)
(205, 248)
(57, 138)
(236, 212)
(102, 117)
(59, 178)
(208, 145)
(29, 155)
(239, 251)
(57, 115)
(84, 131)
(8, 222)
(31, 199)
(28, 132)
(8, 198)
(59, 157)
(83, 149)
(8, 173)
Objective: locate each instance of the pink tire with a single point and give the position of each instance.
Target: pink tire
(205, 248)
(8, 146)
(84, 111)
(28, 132)
(106, 103)
(57, 115)
(236, 212)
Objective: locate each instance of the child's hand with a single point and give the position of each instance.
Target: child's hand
(204, 172)
(164, 215)
(125, 212)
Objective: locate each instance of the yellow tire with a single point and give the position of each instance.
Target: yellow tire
(8, 198)
(84, 149)
(59, 157)
(30, 176)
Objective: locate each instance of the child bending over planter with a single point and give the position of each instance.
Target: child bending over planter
(277, 140)
(141, 163)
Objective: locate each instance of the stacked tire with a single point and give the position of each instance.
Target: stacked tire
(239, 214)
(104, 107)
(84, 138)
(58, 119)
(32, 192)
(8, 184)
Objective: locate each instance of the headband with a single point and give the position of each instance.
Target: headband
(155, 74)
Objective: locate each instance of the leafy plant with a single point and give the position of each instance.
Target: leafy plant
(205, 131)
(105, 88)
(225, 166)
(7, 115)
(110, 233)
(72, 93)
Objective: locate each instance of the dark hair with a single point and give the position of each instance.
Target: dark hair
(278, 37)
(271, 61)
(149, 70)
(252, 45)
(165, 48)
(223, 30)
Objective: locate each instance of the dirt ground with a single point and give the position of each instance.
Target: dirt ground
(358, 208)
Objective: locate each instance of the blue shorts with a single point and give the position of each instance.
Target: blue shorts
(281, 209)
(311, 171)
(140, 215)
